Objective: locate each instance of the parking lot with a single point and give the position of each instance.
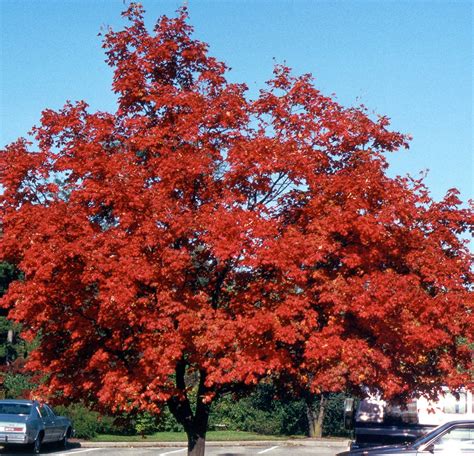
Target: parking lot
(275, 449)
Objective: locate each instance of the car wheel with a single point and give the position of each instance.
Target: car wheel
(64, 442)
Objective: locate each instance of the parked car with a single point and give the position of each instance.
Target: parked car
(25, 422)
(455, 438)
(376, 422)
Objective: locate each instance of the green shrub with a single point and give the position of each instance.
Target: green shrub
(261, 412)
(333, 423)
(146, 423)
(17, 385)
(293, 418)
(87, 423)
(107, 425)
(141, 423)
(166, 422)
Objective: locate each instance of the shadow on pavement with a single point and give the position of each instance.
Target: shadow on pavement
(230, 454)
(46, 448)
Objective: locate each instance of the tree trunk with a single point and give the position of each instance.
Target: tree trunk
(196, 444)
(195, 424)
(197, 432)
(318, 428)
(315, 414)
(311, 415)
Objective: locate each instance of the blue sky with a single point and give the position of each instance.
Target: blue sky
(410, 60)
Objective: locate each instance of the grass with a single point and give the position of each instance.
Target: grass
(216, 436)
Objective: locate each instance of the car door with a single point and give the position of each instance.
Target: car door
(48, 423)
(457, 440)
(57, 424)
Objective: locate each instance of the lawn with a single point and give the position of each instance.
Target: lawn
(181, 437)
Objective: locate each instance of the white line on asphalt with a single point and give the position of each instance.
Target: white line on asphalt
(174, 451)
(77, 452)
(268, 449)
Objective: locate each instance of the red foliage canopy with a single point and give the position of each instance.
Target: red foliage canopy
(197, 230)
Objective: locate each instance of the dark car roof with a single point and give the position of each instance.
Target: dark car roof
(430, 436)
(400, 449)
(461, 422)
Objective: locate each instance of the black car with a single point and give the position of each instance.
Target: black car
(450, 439)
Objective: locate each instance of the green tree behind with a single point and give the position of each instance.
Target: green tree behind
(13, 349)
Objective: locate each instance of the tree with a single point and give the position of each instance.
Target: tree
(315, 412)
(13, 349)
(198, 239)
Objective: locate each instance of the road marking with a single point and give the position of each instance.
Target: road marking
(174, 451)
(268, 449)
(77, 452)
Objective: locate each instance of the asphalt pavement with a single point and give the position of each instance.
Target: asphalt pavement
(273, 448)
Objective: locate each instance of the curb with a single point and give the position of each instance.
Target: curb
(319, 443)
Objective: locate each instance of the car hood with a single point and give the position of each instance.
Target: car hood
(6, 418)
(387, 449)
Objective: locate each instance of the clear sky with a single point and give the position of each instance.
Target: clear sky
(410, 60)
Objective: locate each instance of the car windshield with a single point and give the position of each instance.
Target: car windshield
(15, 409)
(424, 438)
